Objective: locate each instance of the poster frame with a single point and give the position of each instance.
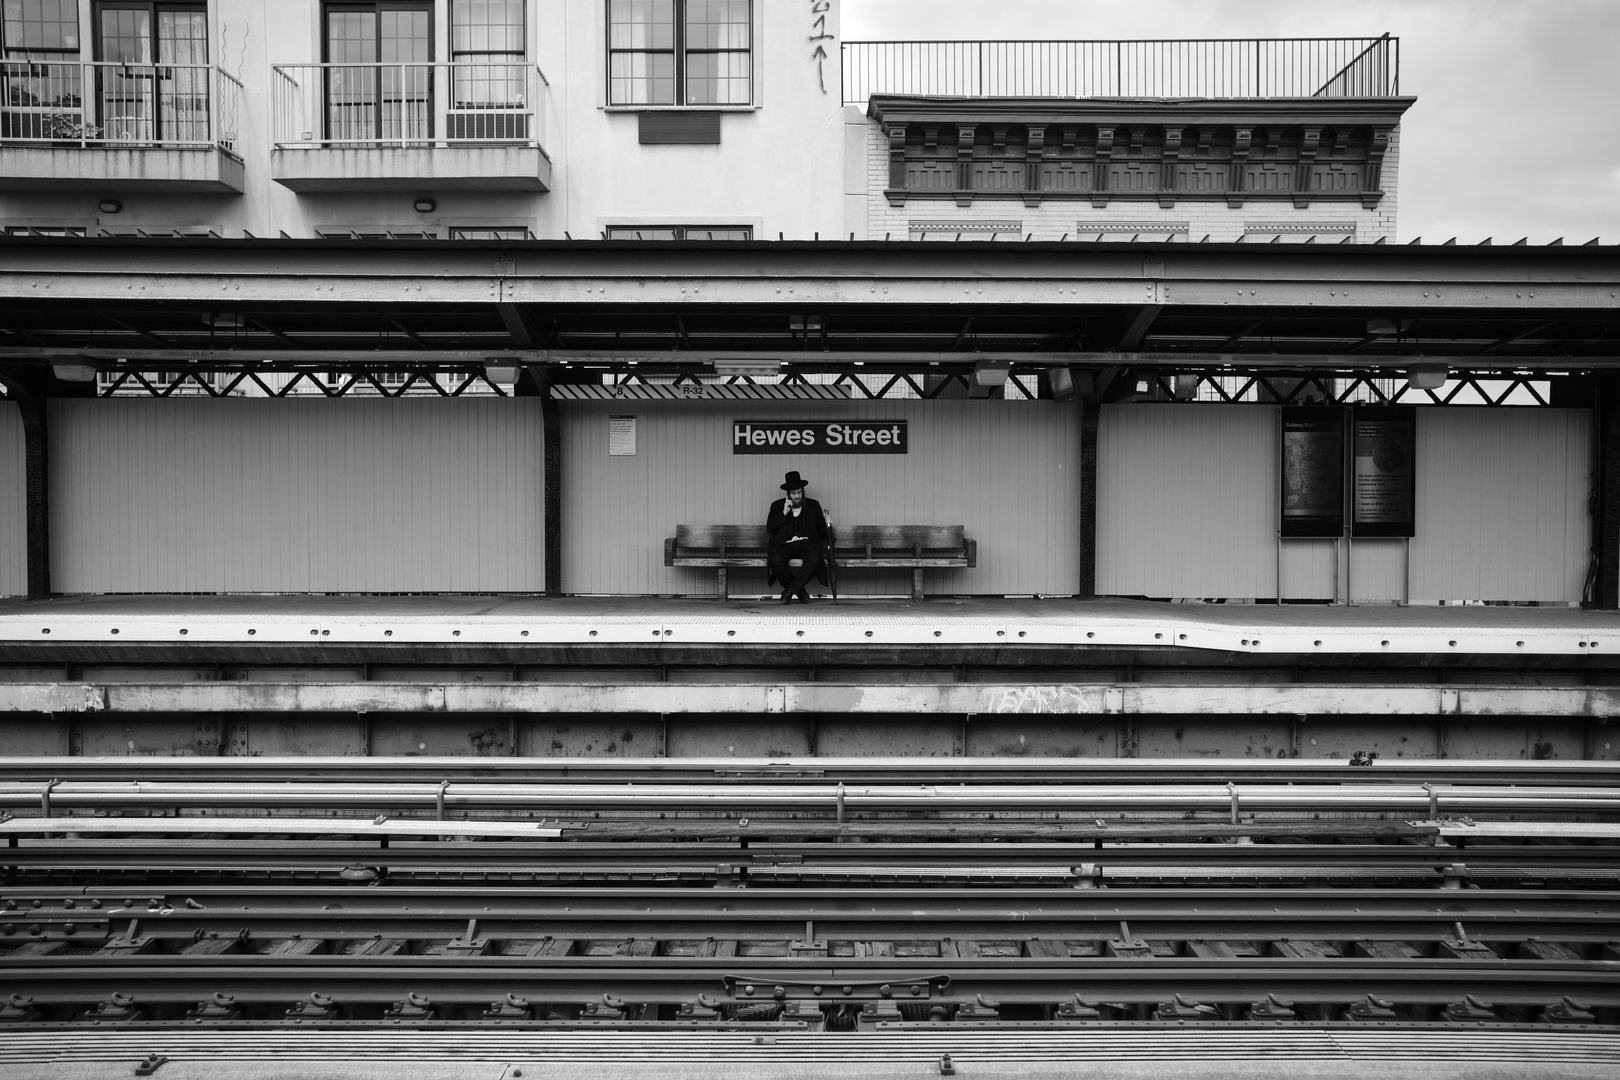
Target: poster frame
(1324, 420)
(1406, 526)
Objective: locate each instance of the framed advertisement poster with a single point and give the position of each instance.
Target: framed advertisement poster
(1384, 471)
(1312, 471)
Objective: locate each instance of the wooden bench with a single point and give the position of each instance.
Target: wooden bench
(914, 547)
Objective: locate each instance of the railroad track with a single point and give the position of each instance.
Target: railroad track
(810, 904)
(1346, 1051)
(1010, 953)
(543, 798)
(166, 860)
(982, 771)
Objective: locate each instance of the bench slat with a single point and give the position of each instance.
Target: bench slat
(716, 536)
(877, 537)
(913, 547)
(928, 562)
(902, 537)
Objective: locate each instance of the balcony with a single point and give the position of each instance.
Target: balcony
(118, 127)
(1154, 70)
(1297, 121)
(409, 127)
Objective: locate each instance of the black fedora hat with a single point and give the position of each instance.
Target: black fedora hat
(795, 482)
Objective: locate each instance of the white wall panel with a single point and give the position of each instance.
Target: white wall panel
(1187, 507)
(1377, 568)
(1007, 470)
(1308, 571)
(253, 495)
(1187, 500)
(1501, 498)
(13, 507)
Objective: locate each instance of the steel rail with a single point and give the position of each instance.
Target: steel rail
(85, 915)
(812, 771)
(478, 980)
(639, 1045)
(1391, 797)
(581, 857)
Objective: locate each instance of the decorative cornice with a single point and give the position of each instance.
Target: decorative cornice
(1242, 112)
(965, 226)
(1335, 227)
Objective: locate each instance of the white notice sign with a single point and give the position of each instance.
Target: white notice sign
(621, 436)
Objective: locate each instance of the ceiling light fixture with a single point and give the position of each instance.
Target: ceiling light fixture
(426, 206)
(1427, 376)
(750, 368)
(990, 373)
(501, 370)
(74, 370)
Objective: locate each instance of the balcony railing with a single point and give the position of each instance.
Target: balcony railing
(407, 105)
(1250, 68)
(114, 105)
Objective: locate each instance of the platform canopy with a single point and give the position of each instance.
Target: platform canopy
(759, 307)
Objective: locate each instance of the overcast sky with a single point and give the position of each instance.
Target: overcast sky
(1516, 130)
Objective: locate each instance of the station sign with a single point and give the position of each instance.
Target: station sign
(819, 437)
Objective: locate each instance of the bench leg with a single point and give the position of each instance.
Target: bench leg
(916, 583)
(724, 594)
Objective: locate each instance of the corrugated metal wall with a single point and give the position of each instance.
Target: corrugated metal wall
(1187, 507)
(1502, 497)
(253, 495)
(13, 509)
(1187, 500)
(1008, 470)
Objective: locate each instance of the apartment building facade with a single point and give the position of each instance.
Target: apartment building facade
(680, 119)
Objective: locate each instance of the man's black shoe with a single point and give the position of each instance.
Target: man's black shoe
(787, 597)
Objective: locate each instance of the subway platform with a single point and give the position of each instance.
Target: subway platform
(584, 676)
(102, 623)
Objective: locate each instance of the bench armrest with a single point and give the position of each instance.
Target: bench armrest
(669, 551)
(972, 551)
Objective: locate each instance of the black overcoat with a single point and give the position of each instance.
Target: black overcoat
(811, 524)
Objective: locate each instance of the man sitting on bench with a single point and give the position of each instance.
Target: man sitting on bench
(798, 529)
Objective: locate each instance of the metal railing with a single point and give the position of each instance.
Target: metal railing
(104, 104)
(1215, 68)
(411, 104)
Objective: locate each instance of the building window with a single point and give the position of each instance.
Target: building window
(680, 232)
(378, 234)
(47, 230)
(390, 380)
(488, 74)
(490, 232)
(40, 78)
(159, 91)
(680, 52)
(379, 85)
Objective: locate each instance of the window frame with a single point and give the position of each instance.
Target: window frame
(377, 7)
(67, 53)
(380, 89)
(153, 7)
(681, 233)
(488, 233)
(473, 55)
(680, 50)
(19, 118)
(157, 91)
